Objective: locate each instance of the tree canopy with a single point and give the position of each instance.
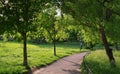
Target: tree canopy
(95, 15)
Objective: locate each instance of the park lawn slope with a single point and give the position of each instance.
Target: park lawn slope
(11, 55)
(98, 62)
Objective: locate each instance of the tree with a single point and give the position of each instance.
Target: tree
(94, 14)
(20, 14)
(52, 25)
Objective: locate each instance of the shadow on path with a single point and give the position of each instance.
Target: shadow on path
(66, 65)
(72, 71)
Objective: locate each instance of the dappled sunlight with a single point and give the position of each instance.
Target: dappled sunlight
(38, 55)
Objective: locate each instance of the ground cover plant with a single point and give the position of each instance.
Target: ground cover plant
(98, 63)
(11, 55)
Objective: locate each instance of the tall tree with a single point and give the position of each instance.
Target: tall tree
(94, 14)
(21, 14)
(54, 25)
(49, 21)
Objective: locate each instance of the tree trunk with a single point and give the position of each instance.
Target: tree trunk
(54, 48)
(54, 42)
(106, 45)
(24, 49)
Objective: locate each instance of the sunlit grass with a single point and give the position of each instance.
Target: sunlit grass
(98, 62)
(11, 55)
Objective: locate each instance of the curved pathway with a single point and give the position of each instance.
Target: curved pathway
(66, 65)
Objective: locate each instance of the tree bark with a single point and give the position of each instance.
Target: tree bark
(25, 63)
(106, 45)
(54, 48)
(54, 42)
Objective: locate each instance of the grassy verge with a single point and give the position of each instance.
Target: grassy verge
(99, 64)
(11, 55)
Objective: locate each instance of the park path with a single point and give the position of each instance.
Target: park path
(66, 65)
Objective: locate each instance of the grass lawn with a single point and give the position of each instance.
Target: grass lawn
(98, 62)
(11, 55)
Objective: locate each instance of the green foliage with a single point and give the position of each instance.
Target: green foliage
(86, 14)
(90, 35)
(20, 15)
(97, 61)
(113, 30)
(46, 21)
(90, 13)
(37, 36)
(53, 25)
(38, 55)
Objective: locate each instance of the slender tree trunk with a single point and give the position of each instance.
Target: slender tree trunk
(54, 42)
(24, 49)
(25, 63)
(107, 48)
(54, 48)
(53, 39)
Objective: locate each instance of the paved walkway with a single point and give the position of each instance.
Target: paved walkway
(66, 65)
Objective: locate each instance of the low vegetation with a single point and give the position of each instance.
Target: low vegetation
(98, 63)
(11, 55)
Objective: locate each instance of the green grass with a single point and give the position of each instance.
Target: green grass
(99, 64)
(11, 55)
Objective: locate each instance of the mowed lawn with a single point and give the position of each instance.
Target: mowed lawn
(98, 62)
(11, 55)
